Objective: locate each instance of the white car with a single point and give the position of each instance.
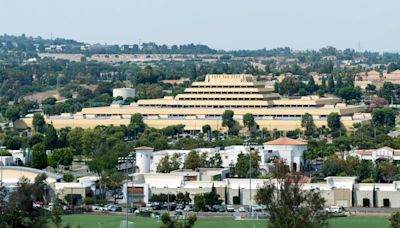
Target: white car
(242, 209)
(230, 208)
(334, 209)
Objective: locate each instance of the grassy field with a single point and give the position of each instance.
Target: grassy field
(106, 221)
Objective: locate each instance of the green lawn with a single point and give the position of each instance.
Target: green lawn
(107, 221)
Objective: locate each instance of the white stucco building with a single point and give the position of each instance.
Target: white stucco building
(376, 154)
(289, 150)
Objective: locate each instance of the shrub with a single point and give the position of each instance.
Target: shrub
(88, 200)
(5, 153)
(368, 180)
(67, 177)
(101, 201)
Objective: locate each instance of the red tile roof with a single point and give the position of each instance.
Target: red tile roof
(144, 148)
(287, 141)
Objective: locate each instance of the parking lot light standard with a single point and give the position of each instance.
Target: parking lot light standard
(127, 160)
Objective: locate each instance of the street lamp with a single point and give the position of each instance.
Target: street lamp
(248, 145)
(129, 159)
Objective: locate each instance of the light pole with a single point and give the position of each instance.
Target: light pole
(248, 147)
(129, 159)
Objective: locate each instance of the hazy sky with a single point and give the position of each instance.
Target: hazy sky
(221, 24)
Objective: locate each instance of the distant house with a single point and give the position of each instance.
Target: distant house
(376, 154)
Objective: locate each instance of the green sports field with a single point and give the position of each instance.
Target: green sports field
(107, 221)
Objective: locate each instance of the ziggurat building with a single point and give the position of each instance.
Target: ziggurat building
(204, 102)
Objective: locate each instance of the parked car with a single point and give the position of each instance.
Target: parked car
(114, 208)
(156, 206)
(230, 208)
(334, 209)
(96, 207)
(219, 208)
(208, 208)
(242, 209)
(188, 208)
(179, 207)
(132, 209)
(257, 208)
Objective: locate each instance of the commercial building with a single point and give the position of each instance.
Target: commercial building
(204, 103)
(337, 191)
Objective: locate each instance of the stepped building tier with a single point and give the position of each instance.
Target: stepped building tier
(204, 103)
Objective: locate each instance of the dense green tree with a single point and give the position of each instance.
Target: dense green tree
(311, 86)
(370, 87)
(206, 199)
(215, 161)
(289, 205)
(38, 122)
(307, 122)
(19, 210)
(12, 142)
(164, 165)
(366, 169)
(333, 166)
(394, 220)
(331, 84)
(50, 138)
(206, 128)
(387, 170)
(62, 156)
(248, 121)
(289, 86)
(192, 161)
(91, 139)
(12, 113)
(74, 140)
(242, 168)
(349, 93)
(228, 121)
(136, 125)
(387, 91)
(39, 156)
(384, 117)
(334, 123)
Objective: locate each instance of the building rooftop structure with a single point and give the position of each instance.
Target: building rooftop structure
(376, 154)
(204, 103)
(286, 141)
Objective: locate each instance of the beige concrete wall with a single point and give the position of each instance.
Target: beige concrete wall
(75, 191)
(360, 195)
(393, 196)
(342, 197)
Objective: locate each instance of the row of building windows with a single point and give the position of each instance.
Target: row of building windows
(203, 106)
(218, 98)
(223, 86)
(207, 116)
(223, 92)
